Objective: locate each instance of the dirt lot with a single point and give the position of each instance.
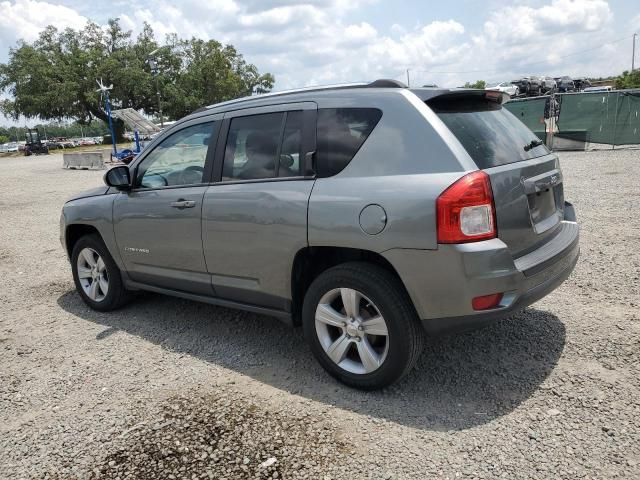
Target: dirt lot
(171, 387)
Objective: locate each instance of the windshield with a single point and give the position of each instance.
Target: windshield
(491, 134)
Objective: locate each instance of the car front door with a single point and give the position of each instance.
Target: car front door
(158, 223)
(255, 214)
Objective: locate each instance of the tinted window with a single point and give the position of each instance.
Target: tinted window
(340, 134)
(178, 159)
(259, 147)
(291, 153)
(489, 133)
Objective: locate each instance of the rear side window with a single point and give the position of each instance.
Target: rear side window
(263, 146)
(491, 134)
(340, 134)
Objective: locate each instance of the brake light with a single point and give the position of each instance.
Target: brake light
(466, 211)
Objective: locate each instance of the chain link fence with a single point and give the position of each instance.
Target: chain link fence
(581, 121)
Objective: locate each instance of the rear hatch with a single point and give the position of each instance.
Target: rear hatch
(525, 176)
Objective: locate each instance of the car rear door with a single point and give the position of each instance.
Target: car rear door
(526, 178)
(158, 223)
(254, 217)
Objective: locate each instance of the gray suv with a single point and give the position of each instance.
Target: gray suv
(367, 214)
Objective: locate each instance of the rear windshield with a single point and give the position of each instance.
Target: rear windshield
(491, 134)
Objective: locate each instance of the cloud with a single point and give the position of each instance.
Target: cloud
(329, 41)
(524, 23)
(321, 41)
(24, 19)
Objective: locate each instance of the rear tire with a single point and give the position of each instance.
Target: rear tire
(96, 275)
(378, 338)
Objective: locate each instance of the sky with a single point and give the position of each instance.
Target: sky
(332, 41)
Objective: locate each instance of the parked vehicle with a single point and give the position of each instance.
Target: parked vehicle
(53, 145)
(505, 87)
(548, 84)
(63, 142)
(581, 83)
(530, 86)
(366, 213)
(565, 84)
(12, 147)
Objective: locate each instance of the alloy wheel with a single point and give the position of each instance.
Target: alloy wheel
(351, 330)
(92, 273)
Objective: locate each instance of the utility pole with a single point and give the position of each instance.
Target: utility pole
(152, 60)
(159, 102)
(633, 53)
(408, 81)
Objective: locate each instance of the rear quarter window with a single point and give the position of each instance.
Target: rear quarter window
(340, 134)
(491, 134)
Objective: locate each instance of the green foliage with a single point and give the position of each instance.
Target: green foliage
(477, 84)
(628, 80)
(55, 76)
(4, 139)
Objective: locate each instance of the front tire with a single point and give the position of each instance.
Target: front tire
(361, 325)
(96, 275)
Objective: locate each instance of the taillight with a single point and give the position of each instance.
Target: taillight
(465, 210)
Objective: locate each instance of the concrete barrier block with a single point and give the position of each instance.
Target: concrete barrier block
(83, 160)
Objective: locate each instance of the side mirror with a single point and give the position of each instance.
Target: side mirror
(118, 177)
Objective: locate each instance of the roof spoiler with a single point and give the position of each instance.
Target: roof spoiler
(490, 95)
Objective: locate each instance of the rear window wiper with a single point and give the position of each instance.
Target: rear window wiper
(534, 143)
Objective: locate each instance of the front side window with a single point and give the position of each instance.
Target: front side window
(263, 146)
(340, 134)
(178, 160)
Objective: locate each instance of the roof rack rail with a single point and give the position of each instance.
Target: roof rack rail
(380, 83)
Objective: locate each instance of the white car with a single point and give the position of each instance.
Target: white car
(603, 88)
(505, 87)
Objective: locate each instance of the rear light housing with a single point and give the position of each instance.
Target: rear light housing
(466, 211)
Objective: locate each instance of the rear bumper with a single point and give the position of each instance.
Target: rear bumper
(443, 282)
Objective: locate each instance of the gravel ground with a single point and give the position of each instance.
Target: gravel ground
(170, 387)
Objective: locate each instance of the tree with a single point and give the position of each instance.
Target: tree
(628, 80)
(54, 77)
(477, 84)
(215, 73)
(4, 139)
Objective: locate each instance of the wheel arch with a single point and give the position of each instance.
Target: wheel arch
(309, 262)
(75, 231)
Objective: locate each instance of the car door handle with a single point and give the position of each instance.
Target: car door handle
(183, 204)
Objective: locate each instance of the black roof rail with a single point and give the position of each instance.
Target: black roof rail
(386, 83)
